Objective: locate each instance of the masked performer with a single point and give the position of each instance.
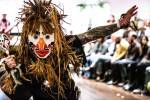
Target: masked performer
(41, 69)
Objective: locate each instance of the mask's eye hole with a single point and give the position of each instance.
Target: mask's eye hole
(37, 32)
(47, 36)
(52, 43)
(30, 43)
(36, 35)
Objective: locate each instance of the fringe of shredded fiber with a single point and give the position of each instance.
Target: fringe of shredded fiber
(45, 13)
(45, 71)
(42, 70)
(7, 85)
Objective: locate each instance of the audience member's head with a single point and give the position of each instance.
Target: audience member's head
(101, 39)
(132, 37)
(4, 16)
(144, 40)
(126, 34)
(111, 19)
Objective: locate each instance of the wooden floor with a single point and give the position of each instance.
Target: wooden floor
(92, 90)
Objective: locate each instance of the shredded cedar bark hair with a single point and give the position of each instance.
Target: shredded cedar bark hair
(44, 13)
(8, 84)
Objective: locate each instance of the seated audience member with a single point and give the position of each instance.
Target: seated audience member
(131, 58)
(121, 48)
(106, 56)
(140, 72)
(97, 50)
(88, 51)
(132, 69)
(146, 90)
(120, 52)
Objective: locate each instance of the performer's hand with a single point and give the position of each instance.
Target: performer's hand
(125, 18)
(10, 61)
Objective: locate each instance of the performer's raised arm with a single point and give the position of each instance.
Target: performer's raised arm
(94, 33)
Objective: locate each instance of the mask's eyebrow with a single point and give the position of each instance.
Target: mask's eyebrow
(37, 32)
(44, 33)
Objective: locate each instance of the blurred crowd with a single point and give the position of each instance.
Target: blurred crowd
(122, 59)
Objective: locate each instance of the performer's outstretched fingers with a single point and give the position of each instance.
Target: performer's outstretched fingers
(132, 9)
(126, 17)
(134, 13)
(135, 10)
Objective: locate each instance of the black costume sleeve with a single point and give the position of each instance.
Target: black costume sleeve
(96, 32)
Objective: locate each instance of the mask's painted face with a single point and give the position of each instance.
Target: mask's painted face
(41, 43)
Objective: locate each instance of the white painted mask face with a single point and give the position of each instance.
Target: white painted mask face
(41, 43)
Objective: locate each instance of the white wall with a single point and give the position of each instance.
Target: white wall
(99, 16)
(79, 21)
(119, 6)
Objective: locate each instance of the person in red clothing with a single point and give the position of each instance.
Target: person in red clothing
(4, 24)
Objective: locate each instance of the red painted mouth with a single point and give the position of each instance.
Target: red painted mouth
(41, 49)
(42, 53)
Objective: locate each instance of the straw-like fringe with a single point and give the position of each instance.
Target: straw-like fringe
(45, 71)
(42, 70)
(44, 13)
(7, 85)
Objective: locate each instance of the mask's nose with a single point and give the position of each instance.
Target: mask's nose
(41, 44)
